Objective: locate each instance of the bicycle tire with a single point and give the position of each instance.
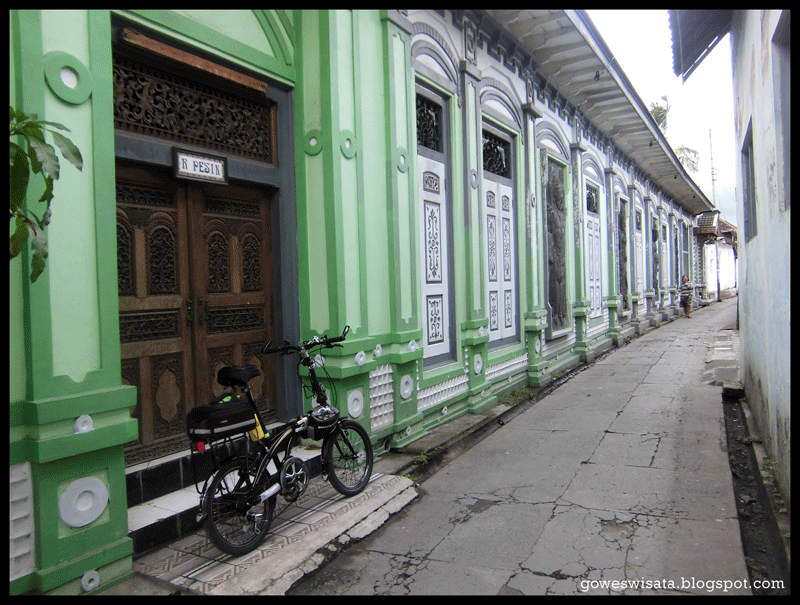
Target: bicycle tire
(231, 524)
(348, 458)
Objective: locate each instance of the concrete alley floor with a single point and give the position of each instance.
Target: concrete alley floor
(617, 482)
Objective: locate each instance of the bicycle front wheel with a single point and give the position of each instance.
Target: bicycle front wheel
(233, 523)
(348, 456)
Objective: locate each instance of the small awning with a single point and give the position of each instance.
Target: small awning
(694, 34)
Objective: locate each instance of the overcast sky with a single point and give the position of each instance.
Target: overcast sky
(642, 44)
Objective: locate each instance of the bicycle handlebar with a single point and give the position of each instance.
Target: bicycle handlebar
(316, 341)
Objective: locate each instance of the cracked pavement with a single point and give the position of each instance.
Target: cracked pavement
(616, 483)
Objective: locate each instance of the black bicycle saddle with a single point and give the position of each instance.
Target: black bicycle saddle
(237, 376)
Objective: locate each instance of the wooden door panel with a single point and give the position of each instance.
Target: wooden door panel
(153, 282)
(232, 282)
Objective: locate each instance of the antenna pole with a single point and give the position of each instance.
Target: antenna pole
(713, 172)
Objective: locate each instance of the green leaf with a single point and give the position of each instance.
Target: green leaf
(68, 149)
(31, 131)
(47, 216)
(46, 155)
(21, 116)
(39, 253)
(54, 125)
(47, 195)
(19, 175)
(36, 165)
(18, 238)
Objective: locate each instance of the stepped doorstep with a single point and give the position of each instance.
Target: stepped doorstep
(164, 500)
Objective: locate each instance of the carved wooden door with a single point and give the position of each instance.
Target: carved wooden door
(195, 291)
(229, 238)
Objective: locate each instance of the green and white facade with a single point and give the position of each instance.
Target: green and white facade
(430, 182)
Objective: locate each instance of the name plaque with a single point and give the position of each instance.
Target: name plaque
(196, 167)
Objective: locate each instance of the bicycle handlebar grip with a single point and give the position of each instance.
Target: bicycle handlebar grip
(286, 348)
(342, 337)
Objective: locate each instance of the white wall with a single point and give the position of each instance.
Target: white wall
(727, 278)
(727, 270)
(761, 91)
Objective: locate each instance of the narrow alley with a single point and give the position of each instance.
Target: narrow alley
(617, 482)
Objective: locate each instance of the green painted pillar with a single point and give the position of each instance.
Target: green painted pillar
(70, 421)
(581, 305)
(613, 302)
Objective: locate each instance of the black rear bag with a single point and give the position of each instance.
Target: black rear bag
(226, 416)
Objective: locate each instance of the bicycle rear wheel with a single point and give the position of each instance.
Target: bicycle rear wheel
(233, 523)
(348, 456)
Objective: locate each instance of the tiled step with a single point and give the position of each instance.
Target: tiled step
(163, 499)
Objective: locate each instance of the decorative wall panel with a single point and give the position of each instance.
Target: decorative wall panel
(593, 251)
(556, 245)
(500, 221)
(434, 226)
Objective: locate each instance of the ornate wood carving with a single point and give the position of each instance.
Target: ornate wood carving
(163, 271)
(154, 102)
(124, 261)
(217, 263)
(251, 263)
(134, 327)
(235, 320)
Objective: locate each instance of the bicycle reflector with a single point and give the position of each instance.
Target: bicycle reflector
(198, 446)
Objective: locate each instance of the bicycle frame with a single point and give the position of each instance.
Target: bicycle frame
(239, 503)
(286, 433)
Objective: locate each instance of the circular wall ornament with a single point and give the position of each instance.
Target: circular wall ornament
(313, 142)
(378, 351)
(406, 386)
(412, 345)
(349, 144)
(401, 159)
(90, 580)
(478, 363)
(361, 358)
(83, 501)
(68, 78)
(83, 424)
(355, 403)
(538, 345)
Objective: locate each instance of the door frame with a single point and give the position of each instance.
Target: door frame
(283, 220)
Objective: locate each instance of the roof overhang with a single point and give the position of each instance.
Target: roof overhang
(569, 52)
(694, 34)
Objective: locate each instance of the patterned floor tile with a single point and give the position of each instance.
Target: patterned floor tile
(194, 562)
